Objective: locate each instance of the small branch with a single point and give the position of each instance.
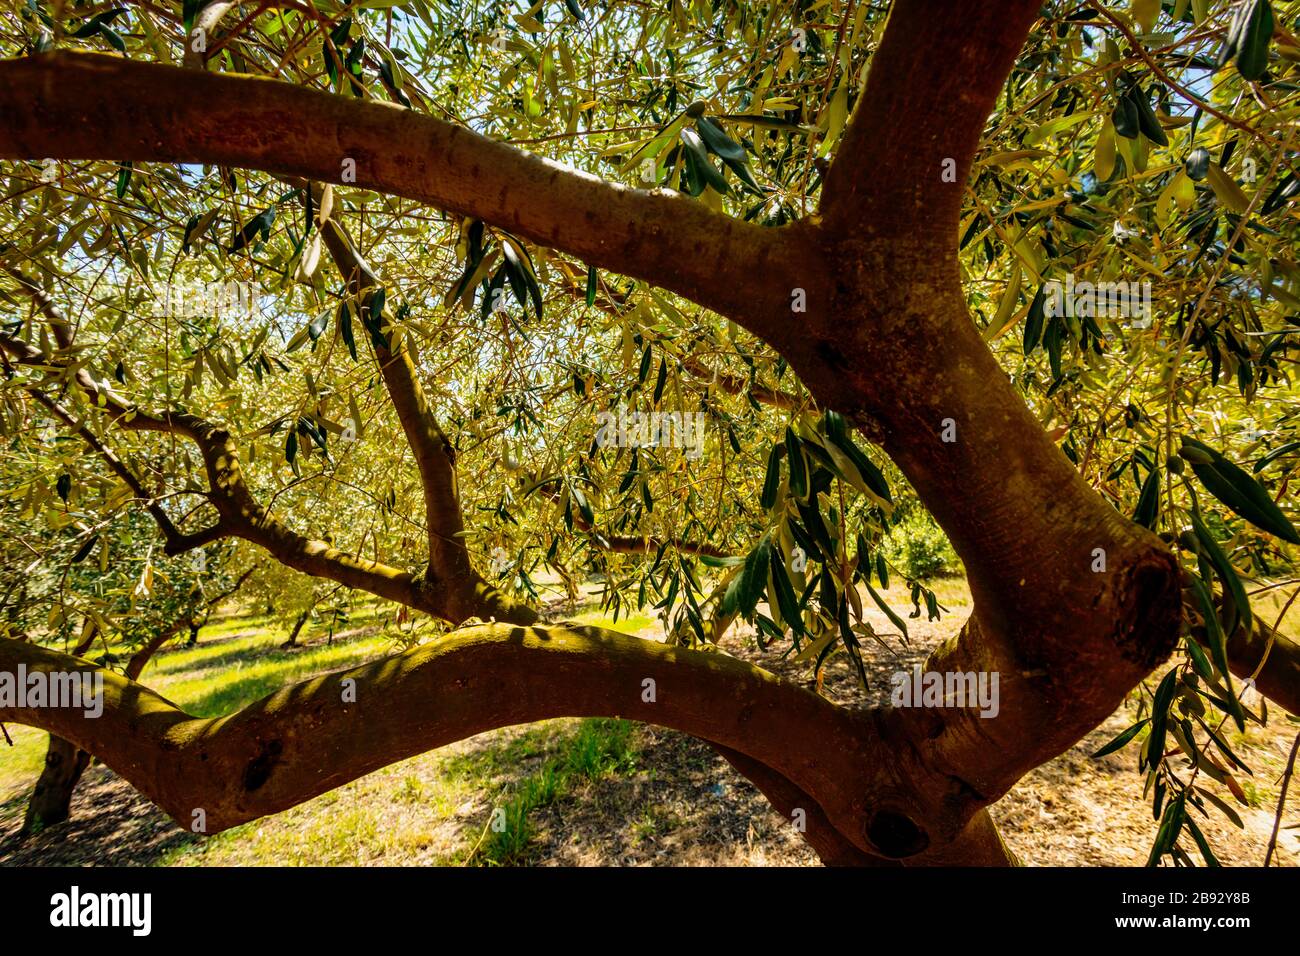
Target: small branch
(1281, 800)
(739, 385)
(468, 594)
(240, 513)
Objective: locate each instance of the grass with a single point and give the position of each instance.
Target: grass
(600, 747)
(566, 789)
(627, 623)
(415, 808)
(20, 764)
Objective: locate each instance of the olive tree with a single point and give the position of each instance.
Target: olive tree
(816, 224)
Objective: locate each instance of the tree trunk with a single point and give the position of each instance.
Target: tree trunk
(51, 799)
(297, 629)
(64, 764)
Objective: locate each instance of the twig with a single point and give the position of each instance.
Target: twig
(1281, 800)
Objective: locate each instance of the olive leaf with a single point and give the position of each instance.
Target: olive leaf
(1238, 490)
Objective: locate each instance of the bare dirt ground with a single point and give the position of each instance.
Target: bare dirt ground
(680, 805)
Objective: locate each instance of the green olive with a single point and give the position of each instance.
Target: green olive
(696, 109)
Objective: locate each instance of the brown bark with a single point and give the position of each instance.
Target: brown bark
(450, 571)
(888, 339)
(297, 629)
(1279, 678)
(144, 654)
(51, 799)
(308, 739)
(789, 801)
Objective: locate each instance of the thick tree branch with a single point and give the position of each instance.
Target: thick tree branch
(1074, 604)
(434, 456)
(1279, 679)
(930, 88)
(305, 740)
(90, 106)
(789, 801)
(887, 320)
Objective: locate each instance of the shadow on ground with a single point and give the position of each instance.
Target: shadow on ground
(111, 825)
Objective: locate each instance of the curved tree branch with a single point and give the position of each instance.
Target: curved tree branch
(240, 515)
(829, 844)
(175, 541)
(310, 738)
(146, 111)
(462, 592)
(396, 359)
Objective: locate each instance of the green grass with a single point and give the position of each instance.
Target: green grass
(205, 689)
(20, 764)
(627, 623)
(236, 661)
(600, 747)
